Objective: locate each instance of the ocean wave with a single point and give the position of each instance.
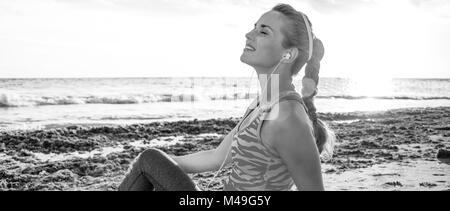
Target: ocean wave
(57, 101)
(134, 117)
(14, 100)
(349, 97)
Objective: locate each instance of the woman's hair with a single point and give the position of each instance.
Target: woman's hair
(296, 35)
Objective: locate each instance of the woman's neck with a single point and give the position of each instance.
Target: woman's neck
(274, 87)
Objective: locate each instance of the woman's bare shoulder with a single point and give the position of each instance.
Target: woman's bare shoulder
(286, 112)
(285, 117)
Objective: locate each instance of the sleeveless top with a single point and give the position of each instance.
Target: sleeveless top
(256, 166)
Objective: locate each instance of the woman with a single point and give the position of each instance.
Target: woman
(278, 141)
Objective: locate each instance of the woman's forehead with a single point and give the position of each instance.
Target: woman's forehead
(273, 19)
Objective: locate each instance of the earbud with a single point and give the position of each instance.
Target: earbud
(287, 56)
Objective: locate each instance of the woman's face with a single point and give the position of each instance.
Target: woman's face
(263, 47)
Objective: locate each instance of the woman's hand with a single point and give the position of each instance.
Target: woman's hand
(209, 160)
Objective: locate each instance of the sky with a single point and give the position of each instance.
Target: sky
(205, 38)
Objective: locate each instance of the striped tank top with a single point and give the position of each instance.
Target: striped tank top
(255, 165)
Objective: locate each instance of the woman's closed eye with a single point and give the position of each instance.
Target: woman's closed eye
(260, 31)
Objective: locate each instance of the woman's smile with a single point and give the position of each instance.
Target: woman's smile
(249, 47)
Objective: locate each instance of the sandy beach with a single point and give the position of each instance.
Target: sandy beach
(389, 150)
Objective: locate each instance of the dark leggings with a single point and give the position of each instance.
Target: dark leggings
(154, 170)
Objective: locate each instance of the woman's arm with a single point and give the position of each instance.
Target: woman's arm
(292, 137)
(209, 160)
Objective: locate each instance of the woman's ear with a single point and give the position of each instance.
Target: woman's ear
(293, 52)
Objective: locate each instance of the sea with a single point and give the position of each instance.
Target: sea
(40, 103)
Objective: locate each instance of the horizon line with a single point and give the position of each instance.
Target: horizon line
(134, 77)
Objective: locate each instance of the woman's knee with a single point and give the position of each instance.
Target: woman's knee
(151, 152)
(144, 160)
(152, 155)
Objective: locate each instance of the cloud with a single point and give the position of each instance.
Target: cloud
(438, 7)
(339, 6)
(167, 7)
(199, 7)
(116, 37)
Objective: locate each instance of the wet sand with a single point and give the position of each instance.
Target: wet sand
(390, 150)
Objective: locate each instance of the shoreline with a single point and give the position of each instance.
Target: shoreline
(96, 157)
(31, 118)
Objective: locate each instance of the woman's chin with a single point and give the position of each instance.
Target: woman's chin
(244, 59)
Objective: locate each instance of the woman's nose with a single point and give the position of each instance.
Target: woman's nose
(249, 35)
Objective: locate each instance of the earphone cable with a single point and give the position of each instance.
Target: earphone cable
(226, 157)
